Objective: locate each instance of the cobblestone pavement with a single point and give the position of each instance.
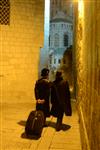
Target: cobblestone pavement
(13, 118)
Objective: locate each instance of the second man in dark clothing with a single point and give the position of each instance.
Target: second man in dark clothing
(60, 99)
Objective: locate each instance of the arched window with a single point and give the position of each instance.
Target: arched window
(49, 40)
(55, 61)
(59, 61)
(56, 43)
(50, 60)
(65, 40)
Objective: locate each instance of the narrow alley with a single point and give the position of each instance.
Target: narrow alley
(22, 56)
(14, 118)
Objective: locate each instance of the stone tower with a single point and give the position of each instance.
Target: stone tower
(61, 5)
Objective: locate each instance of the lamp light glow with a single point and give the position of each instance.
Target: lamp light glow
(80, 8)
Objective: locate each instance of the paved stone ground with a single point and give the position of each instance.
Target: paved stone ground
(13, 118)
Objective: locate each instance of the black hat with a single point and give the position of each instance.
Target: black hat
(45, 72)
(58, 74)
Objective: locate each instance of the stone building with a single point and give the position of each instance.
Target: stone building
(61, 37)
(21, 35)
(87, 71)
(59, 34)
(64, 5)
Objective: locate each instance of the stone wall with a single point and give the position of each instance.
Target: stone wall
(87, 57)
(20, 46)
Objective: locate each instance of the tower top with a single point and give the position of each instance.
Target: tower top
(61, 17)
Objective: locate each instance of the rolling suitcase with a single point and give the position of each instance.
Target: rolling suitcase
(34, 123)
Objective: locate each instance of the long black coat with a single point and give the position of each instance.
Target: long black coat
(42, 91)
(60, 98)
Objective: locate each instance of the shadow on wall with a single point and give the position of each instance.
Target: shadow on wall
(66, 66)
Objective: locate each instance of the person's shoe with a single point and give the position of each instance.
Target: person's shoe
(58, 127)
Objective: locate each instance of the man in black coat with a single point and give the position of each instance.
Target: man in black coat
(60, 99)
(42, 93)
